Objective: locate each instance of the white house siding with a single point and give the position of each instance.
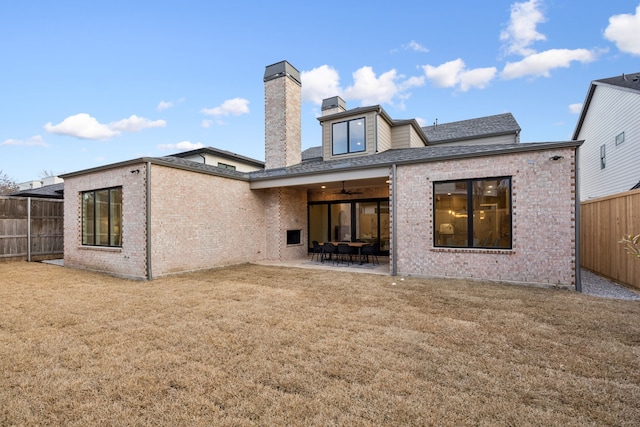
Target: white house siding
(611, 112)
(543, 220)
(201, 221)
(214, 160)
(130, 259)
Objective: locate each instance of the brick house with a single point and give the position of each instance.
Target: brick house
(465, 199)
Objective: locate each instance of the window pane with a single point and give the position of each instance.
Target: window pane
(490, 228)
(367, 222)
(115, 238)
(341, 222)
(102, 217)
(340, 138)
(356, 135)
(87, 218)
(318, 223)
(451, 214)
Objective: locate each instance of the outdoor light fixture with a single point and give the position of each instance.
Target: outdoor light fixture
(556, 158)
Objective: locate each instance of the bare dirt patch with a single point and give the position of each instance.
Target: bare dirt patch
(260, 345)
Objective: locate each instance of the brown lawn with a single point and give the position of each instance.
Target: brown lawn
(257, 345)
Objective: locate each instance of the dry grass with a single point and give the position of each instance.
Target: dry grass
(256, 345)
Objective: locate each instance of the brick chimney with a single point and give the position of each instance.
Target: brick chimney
(282, 115)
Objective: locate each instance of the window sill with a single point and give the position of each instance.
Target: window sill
(475, 251)
(100, 248)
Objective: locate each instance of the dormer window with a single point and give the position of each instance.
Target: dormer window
(349, 136)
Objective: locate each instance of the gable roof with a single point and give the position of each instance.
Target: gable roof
(625, 82)
(482, 127)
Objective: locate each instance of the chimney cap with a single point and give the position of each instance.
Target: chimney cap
(333, 102)
(281, 69)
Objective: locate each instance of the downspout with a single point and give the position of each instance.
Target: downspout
(577, 248)
(148, 206)
(376, 130)
(394, 223)
(28, 229)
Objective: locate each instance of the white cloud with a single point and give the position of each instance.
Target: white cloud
(164, 105)
(521, 31)
(454, 73)
(136, 124)
(181, 146)
(84, 126)
(422, 122)
(415, 46)
(206, 123)
(320, 83)
(540, 64)
(624, 31)
(34, 141)
(575, 108)
(234, 107)
(370, 89)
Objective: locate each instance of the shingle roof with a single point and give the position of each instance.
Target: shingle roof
(628, 81)
(500, 124)
(53, 191)
(409, 155)
(312, 153)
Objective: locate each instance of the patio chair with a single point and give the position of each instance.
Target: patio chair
(371, 250)
(345, 253)
(316, 251)
(328, 249)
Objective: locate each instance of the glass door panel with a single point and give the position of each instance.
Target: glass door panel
(318, 223)
(341, 222)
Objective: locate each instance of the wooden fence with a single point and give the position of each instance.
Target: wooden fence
(31, 228)
(603, 222)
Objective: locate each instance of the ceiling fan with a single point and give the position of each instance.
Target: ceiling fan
(346, 192)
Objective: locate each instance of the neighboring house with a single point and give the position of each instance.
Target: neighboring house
(49, 188)
(222, 159)
(609, 125)
(500, 210)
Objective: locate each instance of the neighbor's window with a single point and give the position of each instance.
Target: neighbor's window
(226, 166)
(603, 157)
(349, 136)
(102, 217)
(619, 138)
(473, 213)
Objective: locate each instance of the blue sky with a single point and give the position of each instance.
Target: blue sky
(88, 83)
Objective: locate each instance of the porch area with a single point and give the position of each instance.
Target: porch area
(382, 268)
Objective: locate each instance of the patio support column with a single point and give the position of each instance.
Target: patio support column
(577, 222)
(394, 222)
(148, 203)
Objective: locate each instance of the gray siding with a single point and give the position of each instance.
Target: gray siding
(611, 112)
(370, 120)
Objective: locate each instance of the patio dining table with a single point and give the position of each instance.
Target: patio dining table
(358, 245)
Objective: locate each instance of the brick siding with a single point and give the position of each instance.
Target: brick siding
(543, 220)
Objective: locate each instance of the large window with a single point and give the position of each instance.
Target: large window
(102, 217)
(473, 213)
(349, 136)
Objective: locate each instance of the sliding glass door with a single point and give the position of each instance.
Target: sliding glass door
(366, 221)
